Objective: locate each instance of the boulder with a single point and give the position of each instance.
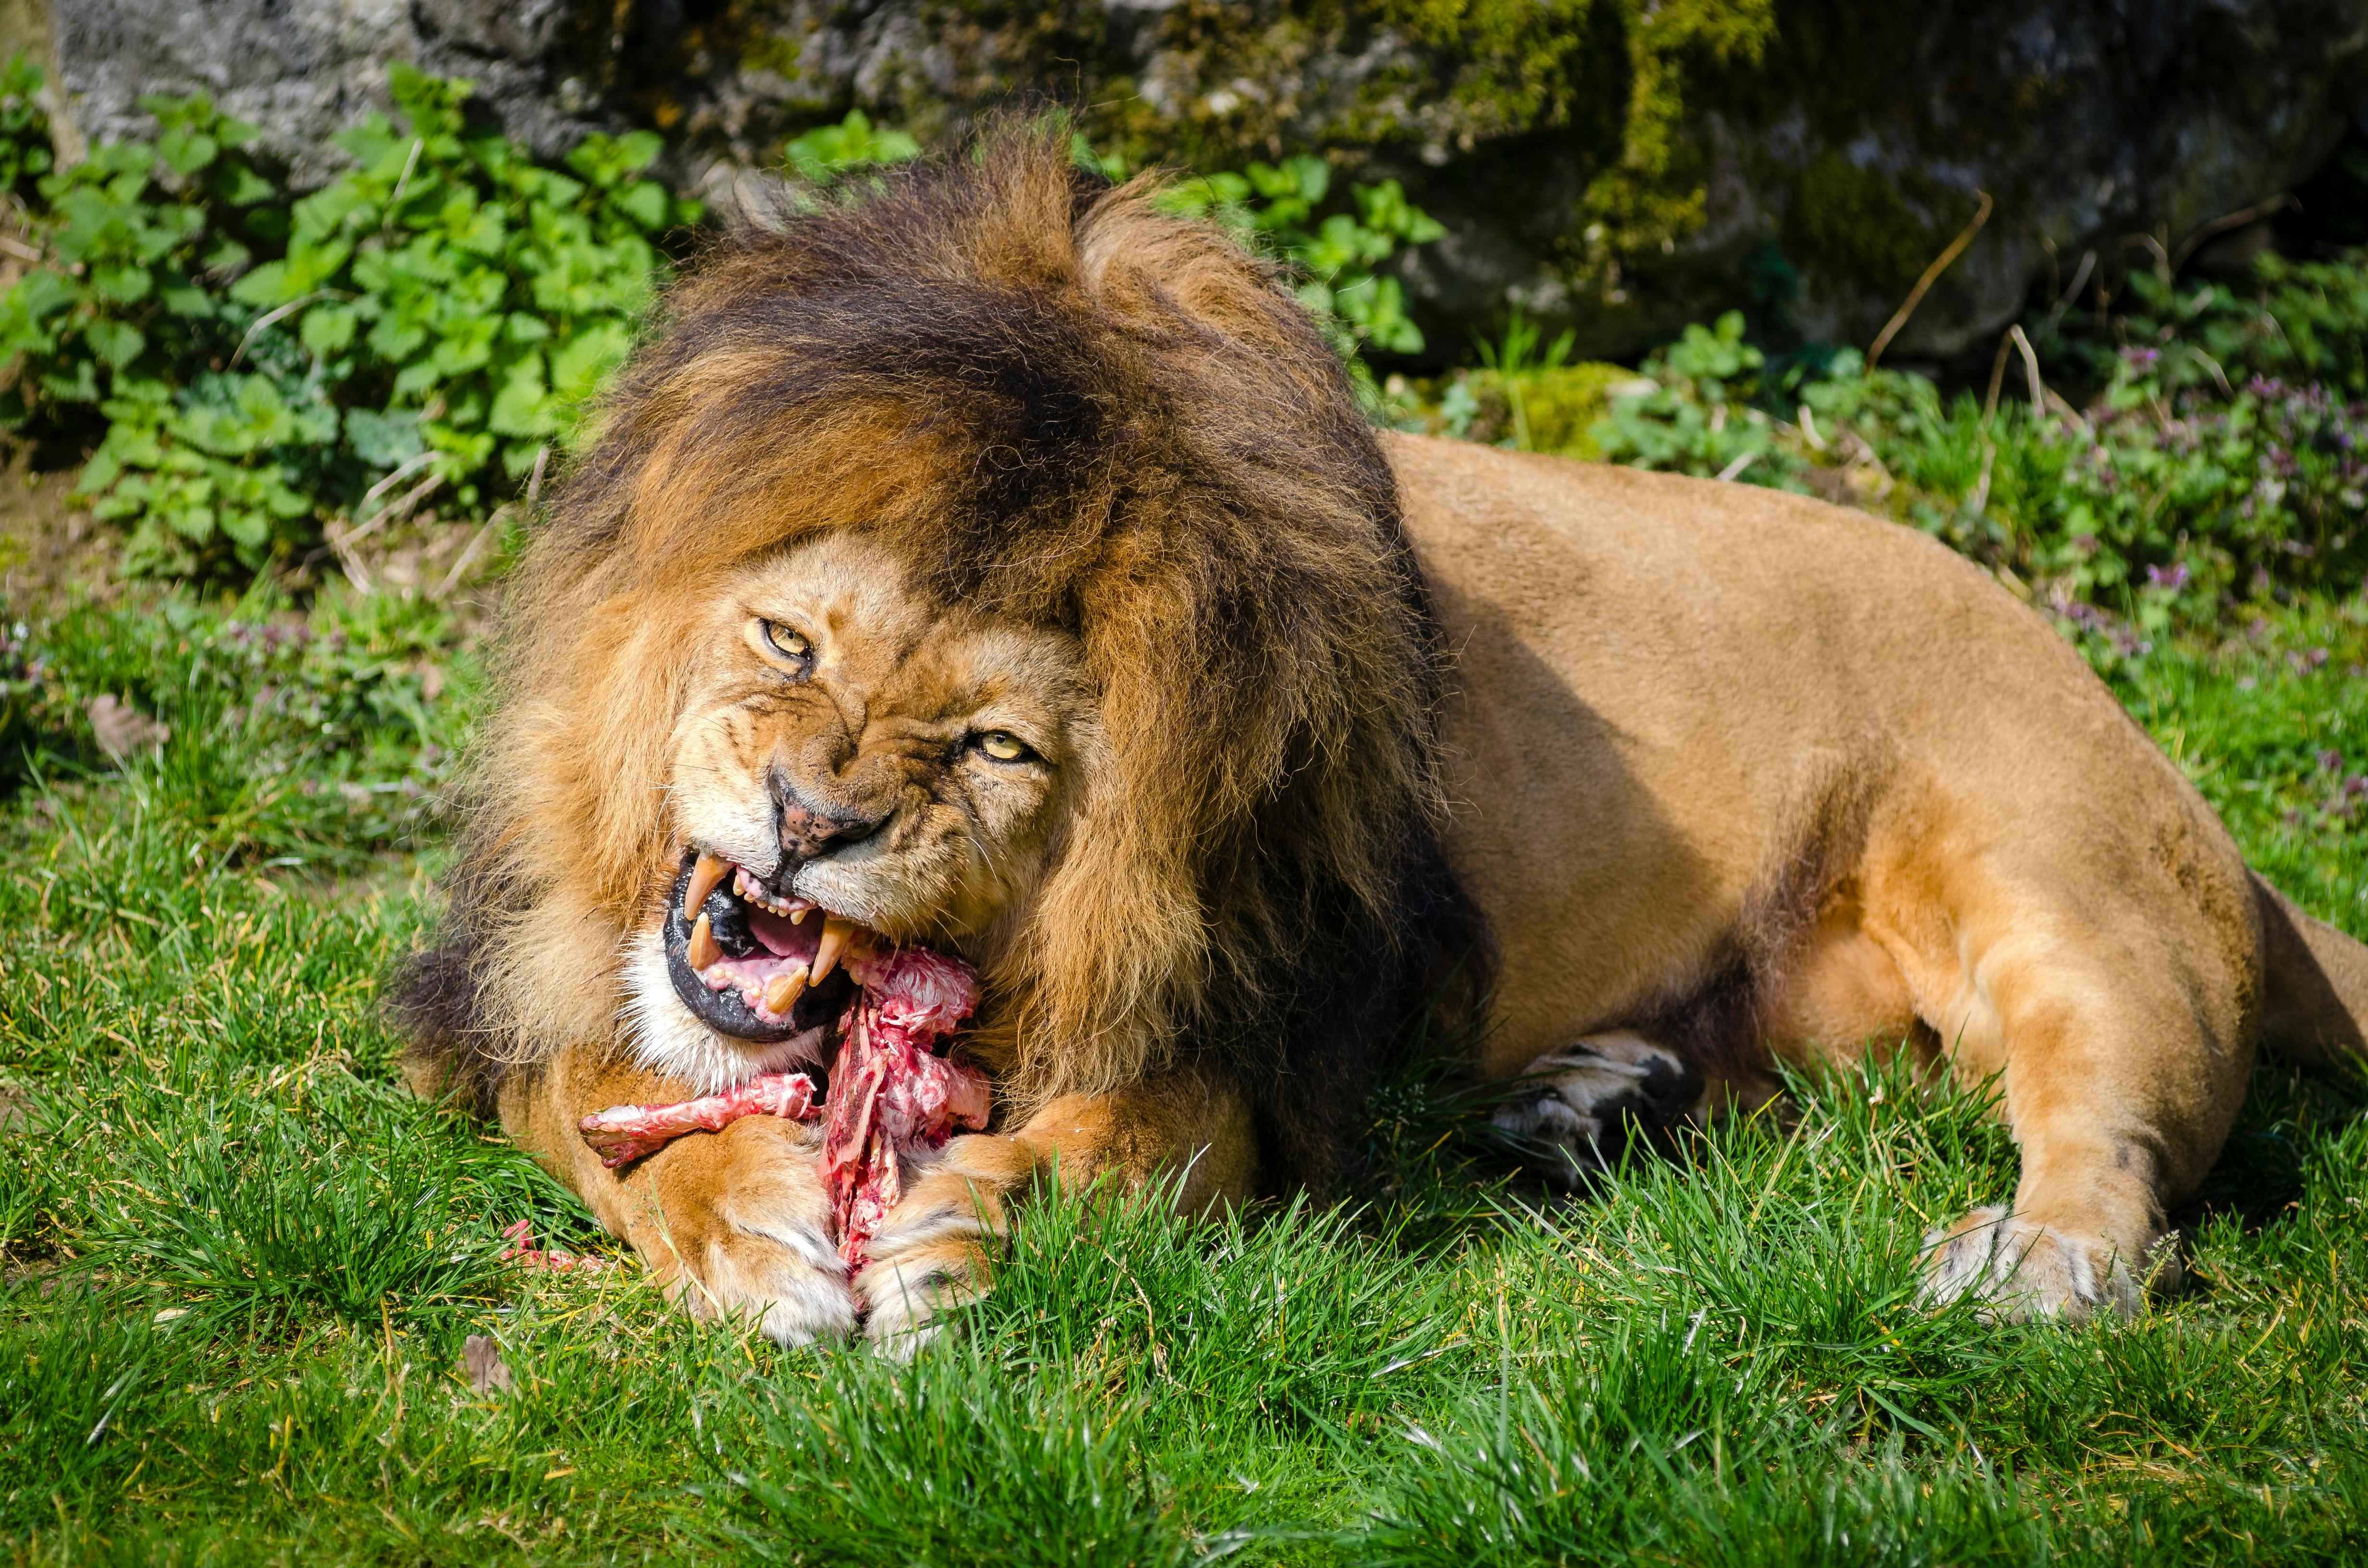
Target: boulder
(1615, 167)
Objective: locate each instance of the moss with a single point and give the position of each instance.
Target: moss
(1215, 83)
(1615, 84)
(1558, 408)
(1578, 132)
(1850, 222)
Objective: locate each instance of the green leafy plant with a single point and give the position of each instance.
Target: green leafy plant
(24, 153)
(1281, 207)
(2192, 482)
(442, 311)
(824, 154)
(1692, 413)
(1289, 210)
(2304, 322)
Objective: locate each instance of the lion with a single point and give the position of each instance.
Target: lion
(1000, 564)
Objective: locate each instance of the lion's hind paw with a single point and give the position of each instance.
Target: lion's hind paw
(1592, 1097)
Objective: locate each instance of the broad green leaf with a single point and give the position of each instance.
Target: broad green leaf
(578, 369)
(117, 343)
(265, 287)
(644, 203)
(382, 441)
(127, 284)
(185, 150)
(521, 407)
(245, 526)
(329, 329)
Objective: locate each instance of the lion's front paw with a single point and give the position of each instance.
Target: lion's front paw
(1592, 1094)
(931, 1254)
(746, 1232)
(2023, 1269)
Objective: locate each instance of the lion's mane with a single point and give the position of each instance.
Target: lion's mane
(1063, 407)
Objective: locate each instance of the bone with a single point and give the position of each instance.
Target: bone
(781, 991)
(704, 878)
(626, 1133)
(837, 931)
(703, 949)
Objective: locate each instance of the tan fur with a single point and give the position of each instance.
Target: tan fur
(1678, 700)
(1726, 776)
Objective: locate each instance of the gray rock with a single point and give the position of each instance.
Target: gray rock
(305, 69)
(1845, 141)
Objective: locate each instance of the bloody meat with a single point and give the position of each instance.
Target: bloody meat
(891, 1095)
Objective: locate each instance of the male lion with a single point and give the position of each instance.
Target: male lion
(1006, 567)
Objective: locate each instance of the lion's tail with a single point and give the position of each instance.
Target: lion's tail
(2317, 1007)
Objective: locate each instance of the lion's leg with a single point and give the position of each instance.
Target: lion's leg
(931, 1252)
(735, 1222)
(1594, 1094)
(2122, 1038)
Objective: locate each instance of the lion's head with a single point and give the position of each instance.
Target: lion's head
(997, 563)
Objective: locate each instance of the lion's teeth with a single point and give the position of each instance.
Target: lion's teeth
(703, 951)
(704, 878)
(781, 991)
(835, 931)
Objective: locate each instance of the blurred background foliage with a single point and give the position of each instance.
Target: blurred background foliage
(243, 367)
(257, 391)
(247, 376)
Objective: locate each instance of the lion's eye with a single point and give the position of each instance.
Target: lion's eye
(1003, 745)
(788, 643)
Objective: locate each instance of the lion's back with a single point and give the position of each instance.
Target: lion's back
(1670, 696)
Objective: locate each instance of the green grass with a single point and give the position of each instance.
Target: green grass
(240, 1264)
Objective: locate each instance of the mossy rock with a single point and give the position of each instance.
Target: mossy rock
(1619, 167)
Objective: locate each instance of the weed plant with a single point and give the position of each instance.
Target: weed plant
(249, 364)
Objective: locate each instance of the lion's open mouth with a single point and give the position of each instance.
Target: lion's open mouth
(750, 961)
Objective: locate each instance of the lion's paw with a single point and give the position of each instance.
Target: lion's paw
(1592, 1095)
(931, 1254)
(2023, 1270)
(748, 1235)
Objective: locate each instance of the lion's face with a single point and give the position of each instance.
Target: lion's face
(851, 759)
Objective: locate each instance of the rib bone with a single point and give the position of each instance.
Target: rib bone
(626, 1133)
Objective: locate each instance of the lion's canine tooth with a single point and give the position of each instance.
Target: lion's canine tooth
(781, 991)
(835, 931)
(703, 951)
(704, 878)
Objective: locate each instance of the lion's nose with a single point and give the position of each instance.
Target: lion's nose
(808, 832)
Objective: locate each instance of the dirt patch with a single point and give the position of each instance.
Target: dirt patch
(51, 552)
(54, 554)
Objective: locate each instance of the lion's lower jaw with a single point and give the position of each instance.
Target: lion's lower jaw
(667, 1038)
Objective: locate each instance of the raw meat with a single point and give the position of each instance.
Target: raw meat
(626, 1133)
(891, 1093)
